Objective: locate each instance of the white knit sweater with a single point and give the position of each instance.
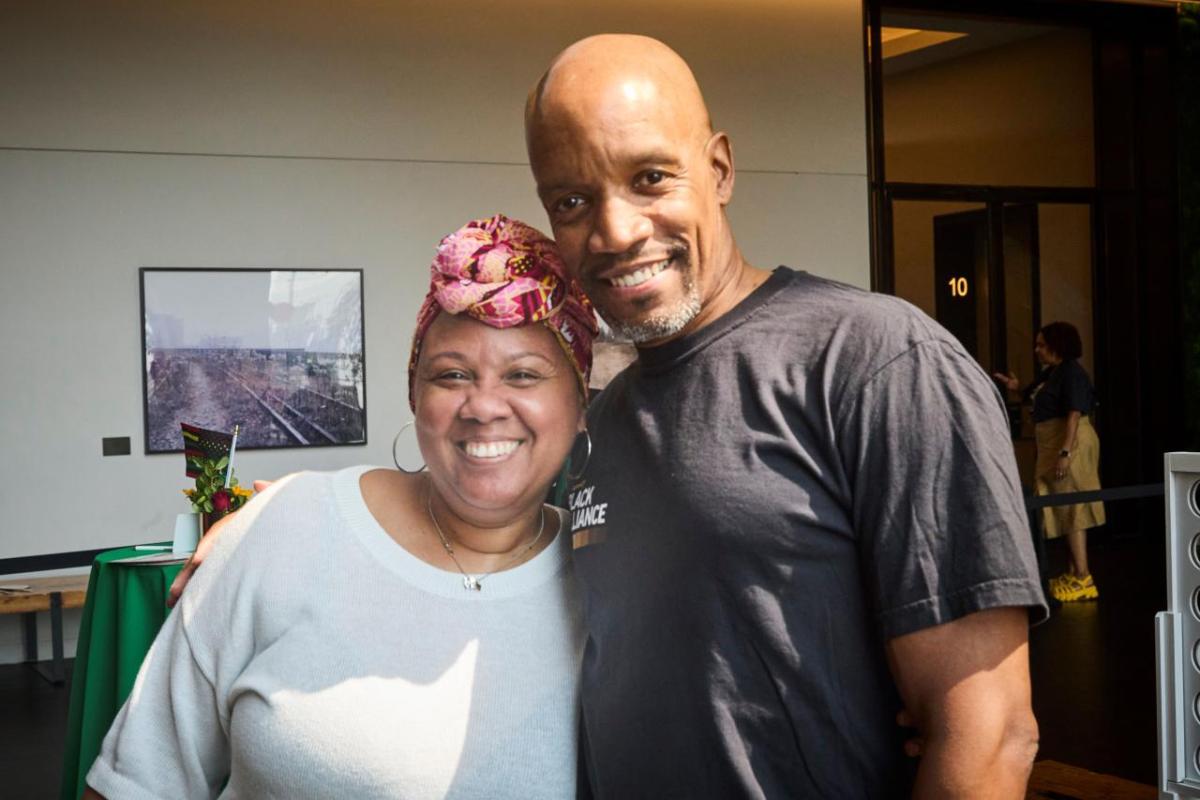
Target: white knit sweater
(312, 656)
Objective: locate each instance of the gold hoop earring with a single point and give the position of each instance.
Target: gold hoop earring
(395, 442)
(572, 477)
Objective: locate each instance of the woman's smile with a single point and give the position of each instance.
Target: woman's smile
(490, 451)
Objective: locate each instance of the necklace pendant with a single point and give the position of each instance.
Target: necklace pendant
(471, 584)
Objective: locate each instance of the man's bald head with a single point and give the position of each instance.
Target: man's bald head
(635, 183)
(614, 67)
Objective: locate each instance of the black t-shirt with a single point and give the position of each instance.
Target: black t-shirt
(769, 500)
(1060, 390)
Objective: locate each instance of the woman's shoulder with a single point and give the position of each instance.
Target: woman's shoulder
(295, 514)
(1071, 372)
(281, 539)
(1073, 366)
(295, 497)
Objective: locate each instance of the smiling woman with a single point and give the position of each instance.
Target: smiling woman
(434, 649)
(497, 411)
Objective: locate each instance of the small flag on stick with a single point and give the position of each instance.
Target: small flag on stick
(232, 450)
(199, 443)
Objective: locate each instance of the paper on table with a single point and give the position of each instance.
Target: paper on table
(153, 558)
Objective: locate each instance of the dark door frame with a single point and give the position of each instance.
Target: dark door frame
(994, 217)
(951, 223)
(994, 199)
(1136, 307)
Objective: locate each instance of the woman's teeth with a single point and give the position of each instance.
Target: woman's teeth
(641, 276)
(490, 449)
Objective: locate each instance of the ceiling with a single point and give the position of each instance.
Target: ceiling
(912, 40)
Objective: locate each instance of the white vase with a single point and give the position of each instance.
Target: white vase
(187, 533)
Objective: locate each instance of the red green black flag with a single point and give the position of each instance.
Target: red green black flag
(200, 443)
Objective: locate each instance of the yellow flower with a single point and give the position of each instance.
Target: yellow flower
(241, 491)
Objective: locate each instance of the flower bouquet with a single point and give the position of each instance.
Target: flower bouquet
(210, 497)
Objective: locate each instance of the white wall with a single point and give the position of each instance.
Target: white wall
(309, 134)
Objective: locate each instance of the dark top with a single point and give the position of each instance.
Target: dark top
(768, 501)
(1060, 390)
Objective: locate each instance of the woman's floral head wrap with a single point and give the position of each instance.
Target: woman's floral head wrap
(505, 273)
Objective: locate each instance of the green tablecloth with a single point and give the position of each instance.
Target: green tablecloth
(126, 605)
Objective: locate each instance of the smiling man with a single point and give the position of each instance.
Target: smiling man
(802, 511)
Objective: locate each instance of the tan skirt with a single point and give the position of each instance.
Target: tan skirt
(1083, 475)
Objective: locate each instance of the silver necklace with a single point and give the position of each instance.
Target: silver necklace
(474, 583)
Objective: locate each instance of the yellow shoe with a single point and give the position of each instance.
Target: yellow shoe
(1072, 589)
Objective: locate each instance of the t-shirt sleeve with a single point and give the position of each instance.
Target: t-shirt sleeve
(1076, 390)
(169, 739)
(936, 502)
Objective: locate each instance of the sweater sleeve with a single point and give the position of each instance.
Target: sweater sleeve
(170, 738)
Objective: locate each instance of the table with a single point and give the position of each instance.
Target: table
(44, 594)
(126, 605)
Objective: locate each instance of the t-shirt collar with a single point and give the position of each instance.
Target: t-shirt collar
(665, 355)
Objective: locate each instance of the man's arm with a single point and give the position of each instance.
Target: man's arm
(197, 558)
(966, 684)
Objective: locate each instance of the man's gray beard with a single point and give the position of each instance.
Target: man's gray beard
(661, 324)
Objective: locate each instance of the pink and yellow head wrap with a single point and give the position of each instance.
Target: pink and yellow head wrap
(505, 273)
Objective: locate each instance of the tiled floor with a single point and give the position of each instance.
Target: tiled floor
(1093, 677)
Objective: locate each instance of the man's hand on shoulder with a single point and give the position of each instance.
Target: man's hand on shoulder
(206, 544)
(966, 686)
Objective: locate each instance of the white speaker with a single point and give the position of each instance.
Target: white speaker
(1177, 634)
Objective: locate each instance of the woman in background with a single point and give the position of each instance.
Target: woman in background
(379, 633)
(1068, 450)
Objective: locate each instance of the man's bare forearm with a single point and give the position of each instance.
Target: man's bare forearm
(966, 685)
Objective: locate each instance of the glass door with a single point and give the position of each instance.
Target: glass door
(941, 265)
(993, 272)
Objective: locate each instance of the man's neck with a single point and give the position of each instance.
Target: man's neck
(740, 280)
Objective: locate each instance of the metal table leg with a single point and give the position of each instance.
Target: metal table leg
(29, 628)
(56, 671)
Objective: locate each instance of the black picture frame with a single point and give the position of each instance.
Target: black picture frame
(279, 352)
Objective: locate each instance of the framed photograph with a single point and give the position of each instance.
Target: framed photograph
(280, 353)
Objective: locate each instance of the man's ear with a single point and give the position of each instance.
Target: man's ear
(719, 153)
